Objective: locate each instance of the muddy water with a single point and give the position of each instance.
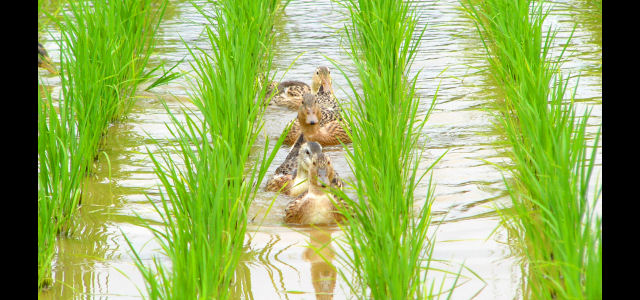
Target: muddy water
(96, 264)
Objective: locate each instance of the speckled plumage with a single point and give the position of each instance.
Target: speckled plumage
(288, 93)
(293, 171)
(328, 131)
(327, 100)
(286, 172)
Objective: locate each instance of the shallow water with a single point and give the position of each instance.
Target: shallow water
(96, 264)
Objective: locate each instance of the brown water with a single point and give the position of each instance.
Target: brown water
(96, 262)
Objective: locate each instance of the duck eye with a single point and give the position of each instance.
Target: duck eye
(306, 151)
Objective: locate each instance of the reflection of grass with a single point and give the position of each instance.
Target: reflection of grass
(554, 219)
(588, 14)
(205, 201)
(104, 49)
(387, 238)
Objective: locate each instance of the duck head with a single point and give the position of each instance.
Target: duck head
(308, 151)
(321, 80)
(318, 165)
(309, 113)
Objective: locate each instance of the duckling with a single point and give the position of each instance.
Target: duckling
(290, 93)
(315, 206)
(44, 61)
(318, 124)
(291, 175)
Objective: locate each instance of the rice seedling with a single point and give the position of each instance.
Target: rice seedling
(204, 202)
(104, 51)
(105, 47)
(59, 177)
(387, 238)
(555, 219)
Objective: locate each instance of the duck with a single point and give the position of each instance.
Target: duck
(290, 93)
(291, 176)
(316, 206)
(322, 87)
(318, 124)
(44, 61)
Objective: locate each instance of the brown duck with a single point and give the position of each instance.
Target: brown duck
(291, 176)
(318, 124)
(315, 206)
(290, 93)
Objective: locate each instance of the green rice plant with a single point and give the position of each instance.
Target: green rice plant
(387, 238)
(207, 192)
(559, 231)
(104, 48)
(59, 177)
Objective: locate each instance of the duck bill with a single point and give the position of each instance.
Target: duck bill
(312, 119)
(323, 179)
(326, 85)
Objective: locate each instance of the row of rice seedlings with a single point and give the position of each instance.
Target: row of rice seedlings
(59, 177)
(204, 203)
(388, 239)
(555, 220)
(104, 48)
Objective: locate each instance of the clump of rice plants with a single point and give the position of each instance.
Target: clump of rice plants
(60, 177)
(555, 219)
(204, 203)
(105, 47)
(388, 239)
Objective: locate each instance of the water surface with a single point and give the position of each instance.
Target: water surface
(96, 262)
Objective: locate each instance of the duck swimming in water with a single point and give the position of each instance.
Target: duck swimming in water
(316, 205)
(290, 93)
(318, 124)
(292, 175)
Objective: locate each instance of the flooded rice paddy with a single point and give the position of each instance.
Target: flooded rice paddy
(96, 263)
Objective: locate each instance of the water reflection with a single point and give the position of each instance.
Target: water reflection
(320, 255)
(81, 265)
(277, 263)
(259, 257)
